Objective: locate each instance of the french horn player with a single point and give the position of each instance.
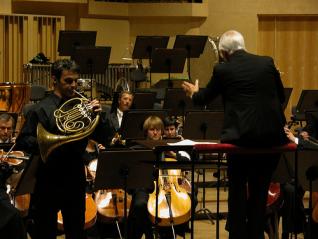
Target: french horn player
(56, 133)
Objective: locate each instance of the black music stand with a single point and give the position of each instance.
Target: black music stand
(27, 181)
(145, 45)
(193, 44)
(205, 125)
(133, 120)
(69, 40)
(168, 61)
(144, 100)
(308, 100)
(287, 92)
(92, 60)
(129, 169)
(177, 102)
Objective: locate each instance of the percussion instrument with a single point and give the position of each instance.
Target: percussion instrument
(13, 96)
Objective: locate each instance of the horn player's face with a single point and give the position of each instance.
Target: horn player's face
(67, 84)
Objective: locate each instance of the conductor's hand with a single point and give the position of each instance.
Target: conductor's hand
(190, 88)
(95, 105)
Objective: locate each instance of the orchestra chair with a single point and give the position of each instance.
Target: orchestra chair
(38, 92)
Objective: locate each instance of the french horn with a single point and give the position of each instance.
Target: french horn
(75, 120)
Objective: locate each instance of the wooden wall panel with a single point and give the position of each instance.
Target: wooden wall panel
(292, 42)
(22, 38)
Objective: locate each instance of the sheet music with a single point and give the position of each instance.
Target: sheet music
(188, 142)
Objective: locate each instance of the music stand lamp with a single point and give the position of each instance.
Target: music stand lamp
(92, 60)
(193, 44)
(122, 169)
(145, 45)
(168, 61)
(133, 121)
(69, 40)
(205, 125)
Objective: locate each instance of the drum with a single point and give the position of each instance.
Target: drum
(13, 96)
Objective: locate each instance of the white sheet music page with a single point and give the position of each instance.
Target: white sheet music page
(188, 142)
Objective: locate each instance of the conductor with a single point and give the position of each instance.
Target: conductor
(252, 93)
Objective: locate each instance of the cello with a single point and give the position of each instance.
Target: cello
(174, 203)
(90, 214)
(109, 202)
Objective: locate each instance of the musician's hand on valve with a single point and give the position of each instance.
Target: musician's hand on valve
(190, 88)
(95, 105)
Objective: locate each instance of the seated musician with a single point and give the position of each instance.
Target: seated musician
(11, 222)
(6, 128)
(114, 118)
(138, 220)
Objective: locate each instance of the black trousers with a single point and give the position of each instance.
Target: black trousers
(11, 223)
(138, 219)
(249, 179)
(45, 206)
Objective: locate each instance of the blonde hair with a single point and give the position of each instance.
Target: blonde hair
(152, 122)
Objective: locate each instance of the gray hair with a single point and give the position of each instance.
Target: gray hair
(231, 41)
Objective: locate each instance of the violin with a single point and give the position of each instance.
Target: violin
(90, 214)
(13, 158)
(174, 203)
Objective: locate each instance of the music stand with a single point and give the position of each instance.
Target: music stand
(145, 45)
(177, 102)
(204, 125)
(133, 121)
(129, 169)
(92, 60)
(287, 93)
(308, 100)
(168, 61)
(26, 183)
(193, 44)
(311, 117)
(69, 40)
(144, 100)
